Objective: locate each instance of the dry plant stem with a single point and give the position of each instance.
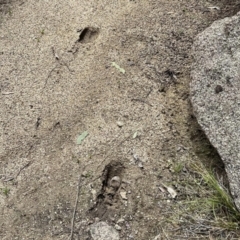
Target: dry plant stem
(76, 201)
(25, 166)
(75, 208)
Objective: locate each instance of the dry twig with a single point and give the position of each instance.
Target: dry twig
(75, 208)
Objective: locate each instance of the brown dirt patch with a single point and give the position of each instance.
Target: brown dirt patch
(57, 81)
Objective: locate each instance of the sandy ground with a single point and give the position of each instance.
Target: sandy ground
(58, 80)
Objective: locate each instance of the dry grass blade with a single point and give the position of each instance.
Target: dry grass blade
(219, 200)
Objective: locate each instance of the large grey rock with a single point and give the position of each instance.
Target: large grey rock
(215, 92)
(102, 231)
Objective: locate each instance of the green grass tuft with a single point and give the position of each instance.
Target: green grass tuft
(219, 200)
(5, 191)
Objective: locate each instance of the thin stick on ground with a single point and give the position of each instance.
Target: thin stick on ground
(75, 208)
(20, 170)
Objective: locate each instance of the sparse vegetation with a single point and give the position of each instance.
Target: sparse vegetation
(208, 207)
(178, 167)
(219, 199)
(5, 191)
(163, 193)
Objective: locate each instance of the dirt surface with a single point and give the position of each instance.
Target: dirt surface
(57, 81)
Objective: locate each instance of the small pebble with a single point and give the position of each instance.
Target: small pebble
(117, 227)
(121, 220)
(84, 173)
(120, 124)
(94, 194)
(123, 195)
(140, 165)
(115, 182)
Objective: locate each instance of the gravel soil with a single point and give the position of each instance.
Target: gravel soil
(120, 71)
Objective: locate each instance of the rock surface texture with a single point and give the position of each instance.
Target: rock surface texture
(215, 92)
(102, 231)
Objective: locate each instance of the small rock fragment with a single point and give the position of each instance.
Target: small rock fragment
(84, 173)
(120, 124)
(171, 191)
(102, 231)
(123, 195)
(162, 189)
(117, 227)
(140, 165)
(135, 135)
(115, 182)
(121, 220)
(94, 194)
